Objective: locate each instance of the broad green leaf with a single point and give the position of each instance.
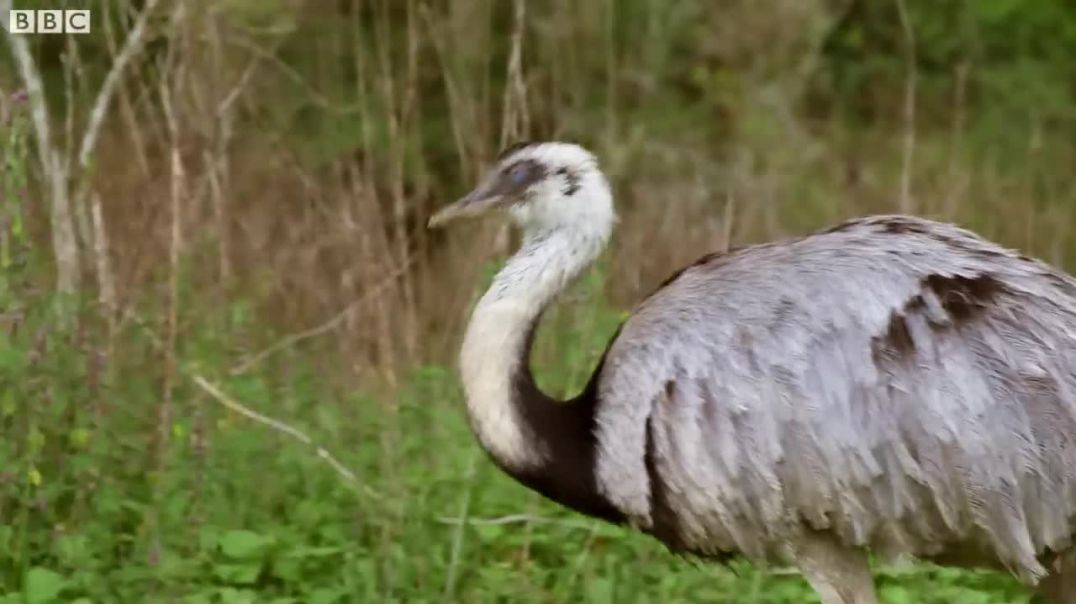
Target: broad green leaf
(244, 545)
(237, 596)
(42, 585)
(327, 595)
(239, 574)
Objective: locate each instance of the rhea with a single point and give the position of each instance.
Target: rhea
(890, 386)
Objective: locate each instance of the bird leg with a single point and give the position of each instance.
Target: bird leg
(840, 574)
(1059, 587)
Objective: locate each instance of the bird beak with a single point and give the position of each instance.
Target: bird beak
(477, 202)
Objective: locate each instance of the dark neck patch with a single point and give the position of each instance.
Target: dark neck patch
(566, 429)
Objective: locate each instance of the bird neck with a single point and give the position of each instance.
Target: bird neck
(495, 357)
(546, 445)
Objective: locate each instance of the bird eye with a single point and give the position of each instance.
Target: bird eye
(518, 174)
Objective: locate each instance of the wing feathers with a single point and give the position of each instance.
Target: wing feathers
(901, 382)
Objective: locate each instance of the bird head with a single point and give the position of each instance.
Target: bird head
(543, 186)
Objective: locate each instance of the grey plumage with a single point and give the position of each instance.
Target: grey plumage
(900, 382)
(893, 385)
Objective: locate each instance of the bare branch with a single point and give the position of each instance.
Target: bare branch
(325, 327)
(315, 95)
(240, 85)
(105, 281)
(458, 535)
(279, 426)
(516, 122)
(453, 91)
(518, 519)
(219, 395)
(108, 88)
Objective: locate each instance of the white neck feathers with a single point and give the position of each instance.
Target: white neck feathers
(494, 345)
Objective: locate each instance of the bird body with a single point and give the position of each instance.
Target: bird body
(900, 382)
(892, 384)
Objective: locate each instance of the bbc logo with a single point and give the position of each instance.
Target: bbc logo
(48, 21)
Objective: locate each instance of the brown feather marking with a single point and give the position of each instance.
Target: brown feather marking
(896, 343)
(963, 298)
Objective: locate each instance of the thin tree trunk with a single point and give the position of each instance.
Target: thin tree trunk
(64, 244)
